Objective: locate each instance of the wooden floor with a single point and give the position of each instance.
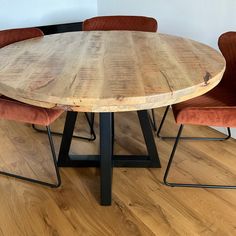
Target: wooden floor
(141, 204)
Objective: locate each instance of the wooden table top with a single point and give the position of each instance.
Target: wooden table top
(108, 71)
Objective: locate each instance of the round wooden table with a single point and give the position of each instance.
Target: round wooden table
(107, 72)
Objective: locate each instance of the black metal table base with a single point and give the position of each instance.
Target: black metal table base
(136, 161)
(106, 160)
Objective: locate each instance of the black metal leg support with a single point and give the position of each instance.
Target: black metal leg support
(139, 161)
(106, 160)
(63, 158)
(106, 165)
(173, 184)
(113, 131)
(149, 139)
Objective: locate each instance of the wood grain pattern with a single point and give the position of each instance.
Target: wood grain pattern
(108, 71)
(142, 205)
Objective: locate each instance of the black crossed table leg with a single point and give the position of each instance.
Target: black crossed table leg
(106, 160)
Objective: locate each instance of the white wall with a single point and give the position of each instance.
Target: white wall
(202, 20)
(26, 13)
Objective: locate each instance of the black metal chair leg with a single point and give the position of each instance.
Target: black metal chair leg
(173, 184)
(54, 157)
(91, 125)
(55, 166)
(162, 122)
(188, 138)
(171, 157)
(153, 120)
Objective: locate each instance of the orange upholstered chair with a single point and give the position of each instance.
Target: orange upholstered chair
(11, 109)
(14, 35)
(132, 23)
(215, 108)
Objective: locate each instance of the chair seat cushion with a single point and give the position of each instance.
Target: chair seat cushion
(14, 110)
(215, 108)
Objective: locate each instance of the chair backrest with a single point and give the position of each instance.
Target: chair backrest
(14, 35)
(227, 46)
(134, 23)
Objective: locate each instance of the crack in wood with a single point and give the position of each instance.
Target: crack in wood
(207, 78)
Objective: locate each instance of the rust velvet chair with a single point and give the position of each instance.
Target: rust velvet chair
(215, 108)
(14, 35)
(132, 23)
(11, 109)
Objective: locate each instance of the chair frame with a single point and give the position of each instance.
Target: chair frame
(188, 138)
(152, 118)
(178, 138)
(174, 184)
(90, 122)
(48, 131)
(52, 185)
(91, 126)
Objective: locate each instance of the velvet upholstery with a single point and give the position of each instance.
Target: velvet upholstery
(134, 23)
(227, 45)
(14, 35)
(11, 109)
(215, 108)
(218, 106)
